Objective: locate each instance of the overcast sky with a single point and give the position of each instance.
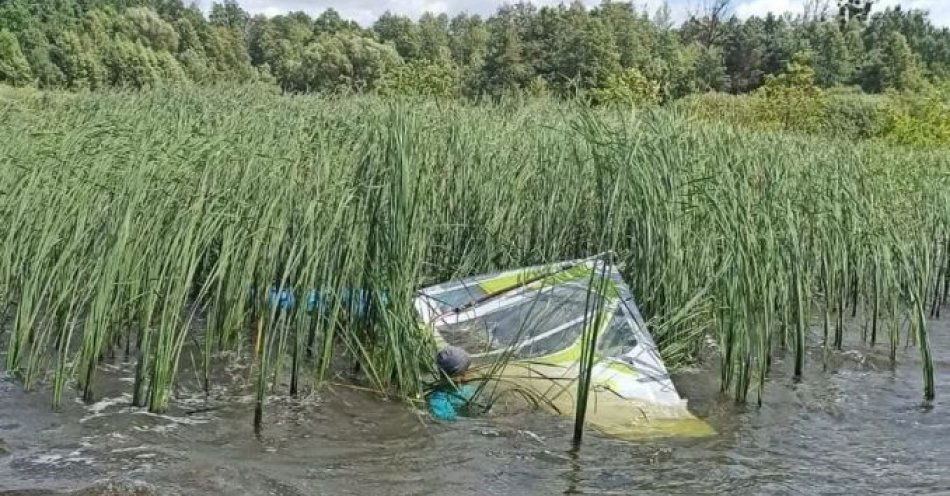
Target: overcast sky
(366, 11)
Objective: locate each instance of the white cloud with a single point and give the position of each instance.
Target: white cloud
(762, 7)
(366, 11)
(939, 9)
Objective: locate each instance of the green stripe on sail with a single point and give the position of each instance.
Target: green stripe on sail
(508, 280)
(563, 276)
(514, 279)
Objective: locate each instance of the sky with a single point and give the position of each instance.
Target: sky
(366, 11)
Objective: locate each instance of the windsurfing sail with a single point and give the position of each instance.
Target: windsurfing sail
(526, 325)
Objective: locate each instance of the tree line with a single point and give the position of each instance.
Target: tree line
(610, 50)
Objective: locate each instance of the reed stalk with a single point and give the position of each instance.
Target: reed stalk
(128, 224)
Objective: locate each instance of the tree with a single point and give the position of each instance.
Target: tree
(189, 37)
(854, 41)
(330, 22)
(901, 64)
(227, 55)
(892, 66)
(73, 44)
(798, 74)
(279, 44)
(930, 43)
(343, 62)
(14, 68)
(421, 78)
(98, 26)
(168, 68)
(833, 63)
(434, 38)
(634, 35)
(36, 48)
(79, 61)
(145, 26)
(401, 32)
(743, 53)
(468, 40)
(706, 27)
(229, 14)
(584, 54)
(710, 73)
(628, 88)
(16, 16)
(780, 42)
(815, 11)
(130, 64)
(505, 69)
(854, 9)
(792, 99)
(195, 66)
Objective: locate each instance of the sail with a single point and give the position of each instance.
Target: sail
(526, 326)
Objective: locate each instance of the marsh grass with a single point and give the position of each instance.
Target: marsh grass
(139, 221)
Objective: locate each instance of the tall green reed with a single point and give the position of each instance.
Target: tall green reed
(154, 222)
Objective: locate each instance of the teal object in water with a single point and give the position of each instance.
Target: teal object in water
(356, 301)
(283, 299)
(445, 403)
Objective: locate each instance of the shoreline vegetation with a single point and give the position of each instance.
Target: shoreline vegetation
(149, 220)
(769, 184)
(884, 75)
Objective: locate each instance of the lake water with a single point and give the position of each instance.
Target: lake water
(859, 427)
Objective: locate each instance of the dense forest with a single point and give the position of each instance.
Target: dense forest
(613, 49)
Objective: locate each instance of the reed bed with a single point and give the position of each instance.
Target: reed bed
(142, 223)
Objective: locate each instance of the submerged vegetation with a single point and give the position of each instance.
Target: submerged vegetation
(153, 221)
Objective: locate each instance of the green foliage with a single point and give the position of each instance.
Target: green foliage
(189, 37)
(343, 62)
(228, 15)
(833, 63)
(194, 64)
(506, 69)
(421, 78)
(79, 62)
(566, 50)
(67, 45)
(892, 66)
(331, 22)
(146, 27)
(928, 42)
(791, 99)
(583, 53)
(14, 68)
(853, 115)
(745, 238)
(402, 33)
(919, 118)
(434, 38)
(710, 73)
(468, 40)
(628, 88)
(538, 88)
(131, 64)
(37, 49)
(227, 55)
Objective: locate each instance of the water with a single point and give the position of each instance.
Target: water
(859, 428)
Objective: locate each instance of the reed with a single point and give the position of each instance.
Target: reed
(150, 222)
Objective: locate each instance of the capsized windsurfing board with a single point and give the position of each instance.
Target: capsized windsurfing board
(523, 329)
